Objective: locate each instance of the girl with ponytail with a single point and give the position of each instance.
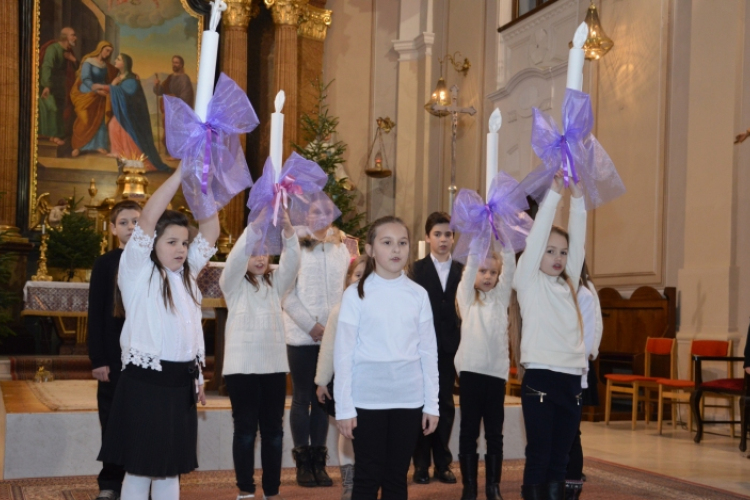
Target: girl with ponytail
(552, 350)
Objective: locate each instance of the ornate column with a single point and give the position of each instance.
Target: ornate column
(9, 109)
(313, 27)
(286, 17)
(234, 63)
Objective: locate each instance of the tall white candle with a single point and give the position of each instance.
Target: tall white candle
(277, 133)
(422, 251)
(207, 66)
(496, 121)
(576, 57)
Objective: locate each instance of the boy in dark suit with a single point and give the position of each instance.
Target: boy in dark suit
(439, 275)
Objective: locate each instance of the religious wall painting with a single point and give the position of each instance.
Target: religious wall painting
(101, 69)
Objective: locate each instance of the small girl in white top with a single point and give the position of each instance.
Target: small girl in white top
(482, 363)
(385, 360)
(324, 378)
(153, 426)
(552, 348)
(255, 363)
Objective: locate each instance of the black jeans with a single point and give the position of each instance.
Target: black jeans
(551, 414)
(383, 443)
(482, 398)
(257, 401)
(111, 475)
(307, 418)
(437, 442)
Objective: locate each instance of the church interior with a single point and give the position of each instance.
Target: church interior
(393, 98)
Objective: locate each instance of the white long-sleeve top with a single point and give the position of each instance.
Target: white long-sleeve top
(255, 341)
(484, 323)
(551, 335)
(324, 370)
(385, 351)
(591, 312)
(153, 332)
(318, 287)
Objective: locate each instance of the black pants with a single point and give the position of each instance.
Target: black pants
(383, 444)
(111, 475)
(575, 461)
(437, 442)
(257, 401)
(482, 398)
(551, 415)
(307, 419)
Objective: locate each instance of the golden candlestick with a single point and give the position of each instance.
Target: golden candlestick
(41, 272)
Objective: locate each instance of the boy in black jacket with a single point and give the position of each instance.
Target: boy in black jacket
(104, 332)
(439, 275)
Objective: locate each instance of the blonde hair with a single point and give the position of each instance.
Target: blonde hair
(496, 257)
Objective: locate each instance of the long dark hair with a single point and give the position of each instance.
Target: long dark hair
(267, 277)
(370, 240)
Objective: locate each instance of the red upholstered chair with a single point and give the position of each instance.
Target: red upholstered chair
(723, 387)
(631, 384)
(514, 385)
(678, 391)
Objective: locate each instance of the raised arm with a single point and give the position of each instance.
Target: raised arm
(159, 202)
(286, 274)
(504, 285)
(210, 229)
(465, 290)
(236, 266)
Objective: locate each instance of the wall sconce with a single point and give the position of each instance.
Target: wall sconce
(597, 42)
(440, 95)
(385, 125)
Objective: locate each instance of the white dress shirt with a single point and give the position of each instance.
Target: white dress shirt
(443, 269)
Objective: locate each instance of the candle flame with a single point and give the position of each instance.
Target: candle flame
(580, 36)
(496, 121)
(279, 101)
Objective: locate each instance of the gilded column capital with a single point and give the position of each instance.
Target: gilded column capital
(314, 23)
(239, 13)
(287, 12)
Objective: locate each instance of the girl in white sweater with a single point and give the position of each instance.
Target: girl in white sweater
(482, 363)
(324, 377)
(552, 347)
(255, 363)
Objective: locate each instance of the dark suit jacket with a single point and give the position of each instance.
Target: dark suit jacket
(447, 322)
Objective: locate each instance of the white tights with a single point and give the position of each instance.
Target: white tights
(161, 488)
(346, 451)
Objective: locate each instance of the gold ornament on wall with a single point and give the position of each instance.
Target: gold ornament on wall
(239, 13)
(314, 23)
(286, 12)
(597, 42)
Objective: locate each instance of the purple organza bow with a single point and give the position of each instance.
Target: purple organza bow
(576, 151)
(214, 168)
(300, 190)
(499, 222)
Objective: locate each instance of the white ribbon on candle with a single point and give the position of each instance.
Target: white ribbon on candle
(576, 57)
(496, 121)
(277, 134)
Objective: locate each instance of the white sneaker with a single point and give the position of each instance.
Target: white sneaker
(243, 497)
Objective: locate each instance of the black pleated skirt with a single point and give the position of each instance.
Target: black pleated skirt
(153, 425)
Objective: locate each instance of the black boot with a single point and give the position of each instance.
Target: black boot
(556, 490)
(493, 465)
(534, 492)
(319, 456)
(303, 459)
(469, 463)
(573, 490)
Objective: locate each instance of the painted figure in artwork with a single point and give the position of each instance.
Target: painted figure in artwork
(57, 73)
(90, 96)
(177, 84)
(130, 131)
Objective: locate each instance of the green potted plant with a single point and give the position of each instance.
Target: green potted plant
(75, 244)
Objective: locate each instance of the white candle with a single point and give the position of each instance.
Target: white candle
(422, 251)
(576, 57)
(207, 66)
(277, 133)
(496, 121)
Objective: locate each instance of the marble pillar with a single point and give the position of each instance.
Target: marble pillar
(9, 109)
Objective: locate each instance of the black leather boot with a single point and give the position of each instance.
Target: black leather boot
(319, 457)
(534, 492)
(303, 458)
(556, 490)
(469, 464)
(573, 490)
(493, 465)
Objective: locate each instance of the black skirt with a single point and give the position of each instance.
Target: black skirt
(153, 425)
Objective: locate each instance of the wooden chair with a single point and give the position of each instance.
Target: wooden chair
(678, 391)
(725, 387)
(514, 385)
(631, 384)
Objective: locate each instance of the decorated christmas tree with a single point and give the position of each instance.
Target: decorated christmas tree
(318, 130)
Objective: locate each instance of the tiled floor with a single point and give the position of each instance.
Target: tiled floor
(716, 461)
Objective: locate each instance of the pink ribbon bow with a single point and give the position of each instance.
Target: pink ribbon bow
(281, 191)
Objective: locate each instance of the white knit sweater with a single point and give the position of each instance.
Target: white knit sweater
(484, 325)
(324, 372)
(319, 286)
(254, 341)
(551, 333)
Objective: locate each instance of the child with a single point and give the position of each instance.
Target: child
(591, 312)
(482, 363)
(153, 426)
(324, 376)
(439, 274)
(552, 348)
(323, 265)
(385, 360)
(104, 332)
(255, 364)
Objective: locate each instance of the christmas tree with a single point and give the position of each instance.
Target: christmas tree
(318, 129)
(76, 244)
